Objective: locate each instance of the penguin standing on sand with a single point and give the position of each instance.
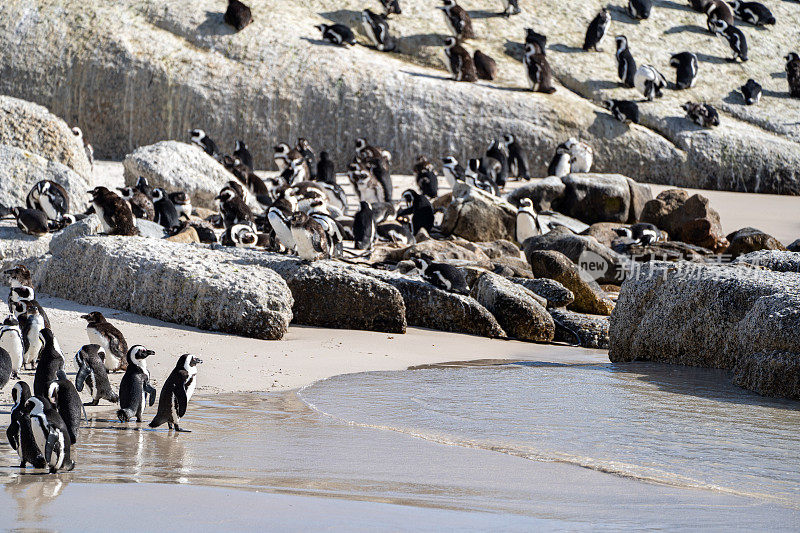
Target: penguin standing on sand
(452, 170)
(391, 7)
(517, 164)
(704, 115)
(237, 15)
(685, 65)
(364, 232)
(736, 39)
(442, 275)
(337, 34)
(649, 81)
(205, 143)
(32, 324)
(11, 341)
(50, 433)
(527, 221)
(458, 61)
(538, 70)
(65, 398)
(176, 392)
(793, 74)
(511, 7)
(141, 204)
(100, 331)
(485, 66)
(639, 9)
(596, 31)
(92, 372)
(31, 221)
(626, 66)
(457, 20)
(326, 172)
(625, 111)
(116, 217)
(166, 214)
(751, 92)
(426, 178)
(420, 209)
(135, 388)
(50, 198)
(19, 432)
(377, 30)
(51, 361)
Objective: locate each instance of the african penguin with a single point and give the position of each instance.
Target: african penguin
(240, 235)
(685, 65)
(649, 81)
(32, 324)
(19, 431)
(377, 29)
(144, 187)
(92, 372)
(476, 176)
(176, 392)
(527, 221)
(396, 232)
(77, 132)
(141, 204)
(333, 230)
(623, 110)
(538, 70)
(19, 276)
(135, 387)
(639, 9)
(511, 7)
(304, 147)
(442, 275)
(116, 217)
(100, 331)
(51, 360)
(496, 154)
(420, 209)
(596, 31)
(205, 143)
(6, 367)
(626, 66)
(50, 198)
(642, 232)
(364, 232)
(31, 221)
(368, 189)
(182, 203)
(754, 13)
(282, 228)
(718, 10)
(751, 92)
(241, 152)
(50, 433)
(62, 394)
(452, 170)
(425, 176)
(793, 74)
(538, 40)
(237, 15)
(392, 7)
(310, 237)
(736, 39)
(337, 34)
(458, 61)
(485, 66)
(233, 208)
(517, 164)
(457, 20)
(704, 115)
(581, 155)
(326, 172)
(560, 164)
(11, 341)
(166, 213)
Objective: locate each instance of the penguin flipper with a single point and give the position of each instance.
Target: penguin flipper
(180, 401)
(157, 421)
(11, 434)
(52, 441)
(151, 393)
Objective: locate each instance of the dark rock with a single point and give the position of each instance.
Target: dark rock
(748, 240)
(794, 247)
(477, 216)
(604, 232)
(555, 293)
(588, 331)
(640, 195)
(496, 249)
(589, 297)
(596, 197)
(769, 374)
(775, 260)
(516, 308)
(688, 219)
(542, 192)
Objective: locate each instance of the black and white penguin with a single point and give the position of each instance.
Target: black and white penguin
(751, 92)
(641, 232)
(458, 61)
(50, 198)
(282, 227)
(639, 9)
(538, 70)
(626, 66)
(233, 208)
(77, 132)
(364, 231)
(452, 170)
(32, 324)
(366, 152)
(166, 213)
(426, 178)
(754, 13)
(337, 34)
(31, 221)
(333, 230)
(485, 66)
(377, 30)
(92, 372)
(116, 217)
(511, 7)
(143, 186)
(736, 39)
(310, 237)
(326, 171)
(304, 147)
(560, 164)
(368, 189)
(475, 176)
(596, 31)
(793, 74)
(51, 360)
(420, 209)
(240, 235)
(704, 115)
(457, 20)
(442, 275)
(242, 153)
(517, 163)
(6, 367)
(135, 387)
(649, 81)
(237, 15)
(538, 40)
(383, 211)
(718, 10)
(249, 179)
(182, 203)
(12, 342)
(581, 155)
(141, 204)
(65, 398)
(19, 276)
(685, 65)
(495, 162)
(205, 142)
(50, 433)
(176, 392)
(527, 221)
(397, 233)
(625, 111)
(100, 331)
(391, 7)
(19, 432)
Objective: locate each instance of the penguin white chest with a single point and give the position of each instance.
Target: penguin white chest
(526, 226)
(102, 217)
(48, 208)
(305, 248)
(11, 341)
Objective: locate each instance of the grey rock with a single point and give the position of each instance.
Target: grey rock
(475, 215)
(769, 374)
(776, 260)
(588, 331)
(19, 248)
(751, 240)
(83, 228)
(517, 309)
(514, 266)
(604, 232)
(689, 219)
(711, 316)
(596, 197)
(20, 170)
(150, 229)
(32, 128)
(589, 297)
(442, 251)
(542, 192)
(794, 247)
(498, 249)
(552, 291)
(663, 251)
(641, 193)
(177, 166)
(179, 283)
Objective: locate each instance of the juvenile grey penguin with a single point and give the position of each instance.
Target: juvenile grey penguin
(50, 198)
(141, 204)
(442, 275)
(65, 398)
(754, 13)
(596, 31)
(166, 213)
(238, 15)
(310, 237)
(626, 66)
(426, 178)
(337, 34)
(538, 70)
(581, 155)
(11, 341)
(458, 61)
(31, 221)
(639, 9)
(176, 393)
(205, 143)
(51, 360)
(100, 331)
(377, 30)
(751, 92)
(116, 217)
(650, 82)
(685, 65)
(19, 432)
(736, 39)
(364, 231)
(625, 111)
(457, 20)
(517, 163)
(793, 74)
(92, 372)
(485, 66)
(135, 387)
(50, 433)
(703, 115)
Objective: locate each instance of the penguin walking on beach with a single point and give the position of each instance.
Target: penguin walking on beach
(19, 431)
(452, 170)
(206, 143)
(510, 8)
(420, 209)
(485, 66)
(326, 172)
(377, 30)
(140, 203)
(538, 70)
(116, 217)
(51, 361)
(50, 198)
(685, 65)
(458, 61)
(65, 398)
(736, 39)
(457, 20)
(426, 178)
(31, 221)
(337, 34)
(751, 92)
(237, 15)
(12, 342)
(50, 433)
(135, 387)
(754, 13)
(639, 9)
(100, 331)
(596, 31)
(310, 237)
(364, 231)
(165, 213)
(527, 221)
(793, 74)
(626, 111)
(517, 163)
(92, 372)
(442, 275)
(176, 393)
(704, 115)
(650, 82)
(626, 66)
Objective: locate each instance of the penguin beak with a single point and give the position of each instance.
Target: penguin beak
(198, 361)
(147, 353)
(85, 317)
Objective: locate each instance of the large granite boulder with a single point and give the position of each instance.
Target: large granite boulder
(748, 240)
(776, 260)
(175, 282)
(20, 170)
(588, 331)
(475, 215)
(555, 293)
(515, 307)
(19, 248)
(596, 197)
(589, 297)
(689, 219)
(712, 316)
(32, 128)
(445, 251)
(544, 193)
(177, 166)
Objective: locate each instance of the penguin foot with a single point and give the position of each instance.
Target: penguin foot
(179, 430)
(22, 464)
(92, 403)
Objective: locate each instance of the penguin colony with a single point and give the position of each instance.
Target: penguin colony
(46, 421)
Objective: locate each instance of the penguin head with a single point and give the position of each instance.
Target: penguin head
(361, 143)
(94, 317)
(20, 393)
(15, 211)
(409, 196)
(23, 293)
(240, 145)
(126, 192)
(608, 104)
(449, 161)
(526, 203)
(197, 135)
(142, 182)
(718, 25)
(508, 139)
(34, 406)
(189, 363)
(303, 144)
(10, 321)
(99, 192)
(226, 195)
(474, 164)
(322, 27)
(281, 149)
(46, 336)
(159, 194)
(298, 219)
(137, 354)
(450, 42)
(76, 131)
(622, 42)
(792, 56)
(447, 4)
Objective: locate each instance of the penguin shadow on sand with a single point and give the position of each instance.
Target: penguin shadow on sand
(689, 28)
(347, 17)
(409, 44)
(483, 14)
(427, 75)
(514, 50)
(777, 76)
(215, 25)
(706, 58)
(565, 49)
(619, 14)
(603, 84)
(669, 4)
(605, 126)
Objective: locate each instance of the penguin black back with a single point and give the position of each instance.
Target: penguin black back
(166, 214)
(364, 227)
(176, 392)
(135, 388)
(19, 431)
(50, 362)
(325, 169)
(92, 371)
(65, 398)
